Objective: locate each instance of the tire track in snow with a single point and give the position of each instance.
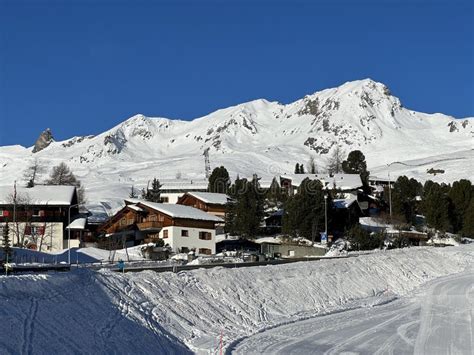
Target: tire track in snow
(29, 327)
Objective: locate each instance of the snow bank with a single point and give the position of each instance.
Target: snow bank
(193, 307)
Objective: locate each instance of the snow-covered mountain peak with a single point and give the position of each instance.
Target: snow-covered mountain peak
(262, 137)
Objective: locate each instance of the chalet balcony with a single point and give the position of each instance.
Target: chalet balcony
(150, 226)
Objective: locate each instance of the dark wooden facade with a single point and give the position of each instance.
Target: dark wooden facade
(193, 201)
(148, 220)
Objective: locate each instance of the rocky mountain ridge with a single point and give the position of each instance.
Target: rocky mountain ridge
(263, 137)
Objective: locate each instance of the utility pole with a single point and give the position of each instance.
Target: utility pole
(15, 224)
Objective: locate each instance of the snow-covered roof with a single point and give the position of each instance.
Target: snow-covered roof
(78, 223)
(272, 240)
(264, 183)
(393, 178)
(345, 202)
(96, 213)
(181, 211)
(55, 195)
(340, 181)
(372, 222)
(184, 185)
(135, 208)
(210, 197)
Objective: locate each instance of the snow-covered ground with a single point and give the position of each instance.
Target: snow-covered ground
(102, 311)
(437, 319)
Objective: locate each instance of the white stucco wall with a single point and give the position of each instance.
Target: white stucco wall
(172, 196)
(52, 238)
(176, 241)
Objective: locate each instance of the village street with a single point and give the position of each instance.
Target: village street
(436, 320)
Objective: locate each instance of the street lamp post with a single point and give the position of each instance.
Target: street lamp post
(69, 233)
(326, 216)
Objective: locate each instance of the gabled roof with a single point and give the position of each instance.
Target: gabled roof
(210, 197)
(39, 195)
(345, 202)
(180, 211)
(341, 181)
(78, 223)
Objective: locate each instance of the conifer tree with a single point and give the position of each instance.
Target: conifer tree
(275, 196)
(468, 225)
(219, 181)
(7, 250)
(436, 205)
(153, 194)
(297, 168)
(245, 211)
(304, 211)
(133, 192)
(404, 193)
(460, 194)
(301, 169)
(356, 164)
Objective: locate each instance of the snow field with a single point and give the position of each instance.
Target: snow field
(136, 312)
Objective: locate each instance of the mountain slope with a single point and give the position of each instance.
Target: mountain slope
(263, 137)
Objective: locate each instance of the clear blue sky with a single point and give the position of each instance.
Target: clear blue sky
(81, 67)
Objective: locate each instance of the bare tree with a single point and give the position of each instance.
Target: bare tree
(23, 209)
(312, 166)
(62, 175)
(33, 172)
(335, 161)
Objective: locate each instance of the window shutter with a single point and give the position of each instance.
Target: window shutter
(28, 230)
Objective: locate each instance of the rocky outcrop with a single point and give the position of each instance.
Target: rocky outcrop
(45, 139)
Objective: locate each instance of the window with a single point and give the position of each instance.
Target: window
(123, 222)
(130, 221)
(152, 218)
(205, 235)
(184, 233)
(164, 200)
(38, 213)
(161, 218)
(205, 251)
(184, 250)
(37, 230)
(165, 234)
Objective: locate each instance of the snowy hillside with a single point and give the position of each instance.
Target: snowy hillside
(263, 137)
(85, 311)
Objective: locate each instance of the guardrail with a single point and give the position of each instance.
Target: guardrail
(178, 268)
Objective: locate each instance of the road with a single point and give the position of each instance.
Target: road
(437, 319)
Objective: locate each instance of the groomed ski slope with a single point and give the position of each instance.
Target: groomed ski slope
(437, 319)
(106, 312)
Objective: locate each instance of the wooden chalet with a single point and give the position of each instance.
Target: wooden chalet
(183, 228)
(213, 203)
